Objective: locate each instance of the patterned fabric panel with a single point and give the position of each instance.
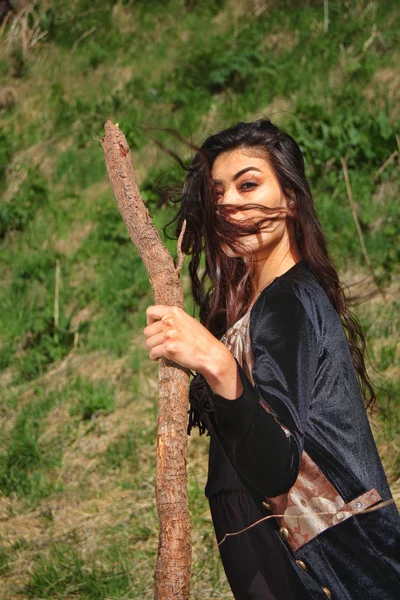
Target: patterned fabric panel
(312, 505)
(238, 342)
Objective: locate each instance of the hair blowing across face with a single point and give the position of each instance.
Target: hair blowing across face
(221, 286)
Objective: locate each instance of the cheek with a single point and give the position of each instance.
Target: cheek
(271, 234)
(274, 197)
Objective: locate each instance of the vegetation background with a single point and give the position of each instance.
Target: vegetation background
(78, 392)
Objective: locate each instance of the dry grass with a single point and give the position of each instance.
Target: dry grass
(385, 84)
(75, 239)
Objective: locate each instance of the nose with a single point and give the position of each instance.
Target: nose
(231, 196)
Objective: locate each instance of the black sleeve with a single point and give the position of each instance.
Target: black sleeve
(285, 349)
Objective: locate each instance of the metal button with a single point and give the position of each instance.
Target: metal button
(358, 504)
(327, 592)
(302, 565)
(267, 506)
(284, 534)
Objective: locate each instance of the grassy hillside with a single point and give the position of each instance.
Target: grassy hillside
(77, 391)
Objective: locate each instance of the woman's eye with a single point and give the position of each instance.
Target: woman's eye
(248, 185)
(218, 193)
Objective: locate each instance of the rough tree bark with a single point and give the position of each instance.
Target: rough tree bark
(172, 572)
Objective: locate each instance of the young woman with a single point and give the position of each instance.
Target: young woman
(280, 388)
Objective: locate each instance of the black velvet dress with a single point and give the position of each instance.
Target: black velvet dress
(296, 447)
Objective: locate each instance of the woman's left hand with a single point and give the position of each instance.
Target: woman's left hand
(172, 333)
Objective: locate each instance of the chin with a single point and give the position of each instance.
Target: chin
(240, 251)
(237, 252)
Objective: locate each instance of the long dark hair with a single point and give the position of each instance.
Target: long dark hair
(221, 285)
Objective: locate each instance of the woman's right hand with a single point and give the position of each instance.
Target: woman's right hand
(173, 334)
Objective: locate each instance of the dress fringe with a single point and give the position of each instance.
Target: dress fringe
(201, 406)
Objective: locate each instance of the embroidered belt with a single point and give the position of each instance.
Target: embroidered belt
(313, 505)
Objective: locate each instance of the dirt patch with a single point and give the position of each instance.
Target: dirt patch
(40, 155)
(83, 316)
(100, 366)
(386, 192)
(389, 77)
(92, 440)
(385, 84)
(281, 40)
(238, 15)
(360, 284)
(7, 377)
(336, 78)
(124, 19)
(57, 519)
(78, 235)
(83, 272)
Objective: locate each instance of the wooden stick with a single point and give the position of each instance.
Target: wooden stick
(172, 573)
(358, 226)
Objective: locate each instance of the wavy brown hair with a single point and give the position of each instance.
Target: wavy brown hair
(221, 285)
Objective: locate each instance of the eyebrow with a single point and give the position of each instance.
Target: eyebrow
(238, 174)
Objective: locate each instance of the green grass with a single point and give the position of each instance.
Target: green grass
(26, 462)
(123, 451)
(78, 403)
(65, 572)
(4, 560)
(89, 399)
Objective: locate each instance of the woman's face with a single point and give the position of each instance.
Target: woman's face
(241, 177)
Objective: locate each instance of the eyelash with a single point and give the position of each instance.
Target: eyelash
(251, 185)
(246, 186)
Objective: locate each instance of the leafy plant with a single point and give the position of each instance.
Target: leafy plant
(17, 213)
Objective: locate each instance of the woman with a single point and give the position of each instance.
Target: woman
(279, 387)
